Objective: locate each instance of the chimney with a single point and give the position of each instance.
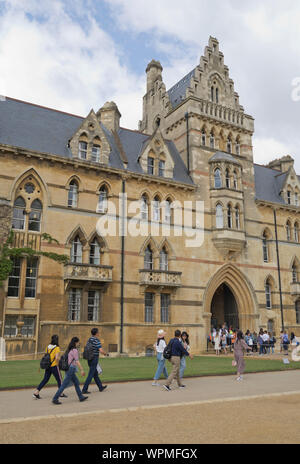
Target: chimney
(282, 164)
(109, 115)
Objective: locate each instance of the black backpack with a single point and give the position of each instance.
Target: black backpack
(167, 354)
(45, 362)
(88, 352)
(63, 362)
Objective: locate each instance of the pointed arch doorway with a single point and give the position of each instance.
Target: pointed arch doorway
(224, 308)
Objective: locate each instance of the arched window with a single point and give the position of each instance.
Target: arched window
(229, 145)
(144, 208)
(150, 165)
(229, 216)
(203, 137)
(168, 211)
(288, 197)
(34, 220)
(296, 199)
(161, 168)
(218, 179)
(76, 250)
(296, 232)
(237, 217)
(227, 178)
(237, 147)
(265, 248)
(217, 95)
(148, 258)
(288, 231)
(294, 273)
(102, 200)
(268, 293)
(297, 309)
(270, 326)
(235, 180)
(212, 140)
(73, 194)
(156, 209)
(18, 221)
(212, 94)
(219, 217)
(95, 252)
(163, 260)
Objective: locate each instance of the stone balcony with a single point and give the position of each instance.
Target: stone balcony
(229, 242)
(88, 273)
(158, 278)
(295, 288)
(27, 240)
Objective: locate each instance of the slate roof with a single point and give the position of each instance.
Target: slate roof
(268, 183)
(177, 92)
(46, 130)
(222, 156)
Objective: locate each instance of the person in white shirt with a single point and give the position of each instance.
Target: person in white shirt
(159, 347)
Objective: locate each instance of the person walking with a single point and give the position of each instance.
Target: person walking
(54, 351)
(159, 347)
(239, 347)
(285, 343)
(254, 337)
(93, 363)
(177, 350)
(70, 377)
(186, 345)
(217, 343)
(260, 341)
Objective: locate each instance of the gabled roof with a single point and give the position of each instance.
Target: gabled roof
(46, 130)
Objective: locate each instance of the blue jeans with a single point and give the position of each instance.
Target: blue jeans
(161, 368)
(70, 377)
(182, 366)
(92, 374)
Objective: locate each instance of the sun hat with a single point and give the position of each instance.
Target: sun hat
(161, 333)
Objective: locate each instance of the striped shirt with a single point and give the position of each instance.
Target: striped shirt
(95, 342)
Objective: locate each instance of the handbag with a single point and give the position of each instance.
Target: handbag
(99, 369)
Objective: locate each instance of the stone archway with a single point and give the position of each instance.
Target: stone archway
(224, 308)
(231, 277)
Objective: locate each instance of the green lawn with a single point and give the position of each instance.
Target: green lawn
(16, 374)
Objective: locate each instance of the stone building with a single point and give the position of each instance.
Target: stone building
(63, 174)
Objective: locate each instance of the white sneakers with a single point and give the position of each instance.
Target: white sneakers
(155, 384)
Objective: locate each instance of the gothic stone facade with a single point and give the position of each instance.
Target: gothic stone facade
(59, 174)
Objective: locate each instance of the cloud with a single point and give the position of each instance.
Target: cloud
(49, 58)
(260, 42)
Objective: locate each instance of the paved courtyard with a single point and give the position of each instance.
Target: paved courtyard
(264, 408)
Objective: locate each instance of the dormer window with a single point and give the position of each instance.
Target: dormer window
(82, 153)
(296, 199)
(161, 168)
(150, 165)
(95, 153)
(288, 197)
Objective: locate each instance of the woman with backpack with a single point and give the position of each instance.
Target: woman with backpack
(54, 351)
(159, 347)
(70, 377)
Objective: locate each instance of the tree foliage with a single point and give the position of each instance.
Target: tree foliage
(8, 253)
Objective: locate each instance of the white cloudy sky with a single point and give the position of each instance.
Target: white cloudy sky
(74, 55)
